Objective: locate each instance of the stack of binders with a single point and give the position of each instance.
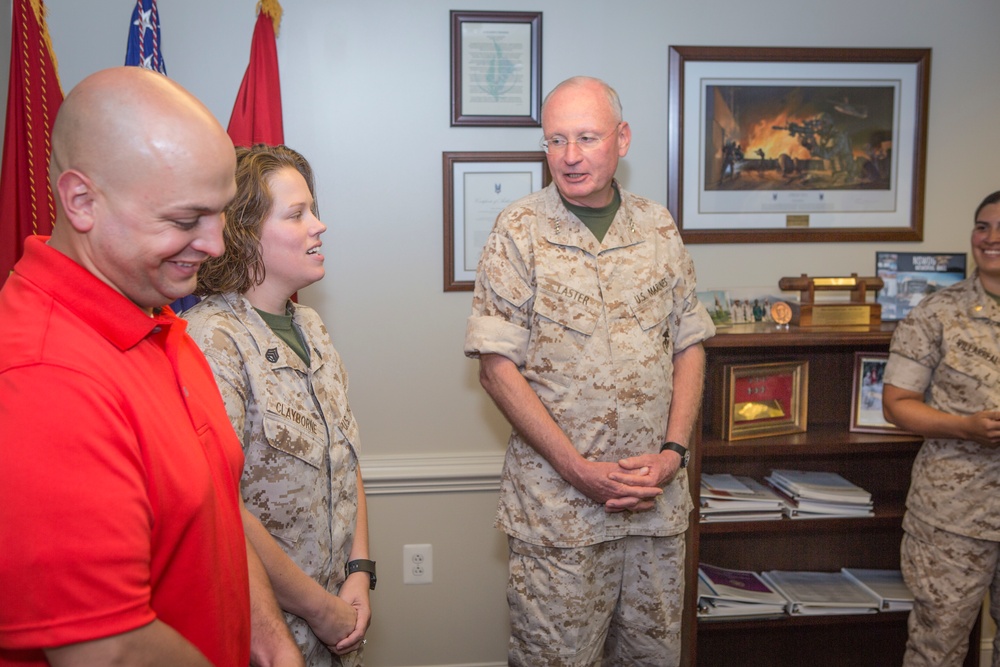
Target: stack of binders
(886, 586)
(731, 498)
(814, 495)
(821, 593)
(724, 593)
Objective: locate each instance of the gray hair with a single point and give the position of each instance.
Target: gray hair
(613, 100)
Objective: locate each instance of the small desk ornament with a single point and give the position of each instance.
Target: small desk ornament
(856, 312)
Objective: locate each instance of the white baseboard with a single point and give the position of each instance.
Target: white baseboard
(431, 473)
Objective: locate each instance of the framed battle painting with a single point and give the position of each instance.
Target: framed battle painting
(769, 145)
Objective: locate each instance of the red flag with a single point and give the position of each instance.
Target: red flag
(257, 113)
(33, 97)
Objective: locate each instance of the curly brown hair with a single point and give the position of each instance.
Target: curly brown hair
(241, 266)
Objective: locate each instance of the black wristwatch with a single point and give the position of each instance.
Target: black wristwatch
(680, 449)
(361, 565)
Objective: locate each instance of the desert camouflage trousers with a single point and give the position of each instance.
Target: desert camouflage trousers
(949, 576)
(614, 603)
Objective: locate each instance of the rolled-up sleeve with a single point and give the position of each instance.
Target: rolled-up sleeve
(907, 374)
(696, 326)
(499, 323)
(915, 351)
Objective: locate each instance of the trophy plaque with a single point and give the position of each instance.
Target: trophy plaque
(855, 312)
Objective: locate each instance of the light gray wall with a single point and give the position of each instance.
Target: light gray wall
(365, 88)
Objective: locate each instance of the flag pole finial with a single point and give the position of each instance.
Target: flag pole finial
(271, 8)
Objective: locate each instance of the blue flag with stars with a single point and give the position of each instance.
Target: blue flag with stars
(144, 51)
(144, 38)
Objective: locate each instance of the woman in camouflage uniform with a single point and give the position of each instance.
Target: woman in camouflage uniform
(943, 382)
(285, 389)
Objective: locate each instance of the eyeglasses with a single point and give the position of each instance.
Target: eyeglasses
(586, 142)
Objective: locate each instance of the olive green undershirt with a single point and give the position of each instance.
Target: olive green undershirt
(597, 220)
(283, 328)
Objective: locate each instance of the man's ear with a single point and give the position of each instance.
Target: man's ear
(624, 139)
(77, 195)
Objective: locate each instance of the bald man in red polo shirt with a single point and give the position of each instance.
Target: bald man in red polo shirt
(120, 516)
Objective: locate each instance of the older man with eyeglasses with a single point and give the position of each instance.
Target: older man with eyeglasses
(589, 336)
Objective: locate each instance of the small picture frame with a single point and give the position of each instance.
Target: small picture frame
(907, 277)
(765, 399)
(866, 394)
(716, 302)
(752, 305)
(496, 69)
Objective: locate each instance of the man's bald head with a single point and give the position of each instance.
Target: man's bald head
(142, 172)
(118, 118)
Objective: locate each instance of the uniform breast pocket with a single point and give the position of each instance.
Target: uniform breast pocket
(296, 439)
(284, 483)
(968, 379)
(563, 326)
(650, 313)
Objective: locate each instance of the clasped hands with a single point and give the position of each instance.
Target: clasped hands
(348, 618)
(631, 484)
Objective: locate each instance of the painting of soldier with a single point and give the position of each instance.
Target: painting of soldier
(799, 137)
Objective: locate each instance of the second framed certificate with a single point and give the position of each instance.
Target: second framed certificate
(477, 186)
(765, 399)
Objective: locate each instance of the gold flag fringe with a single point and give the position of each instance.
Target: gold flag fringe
(40, 11)
(271, 8)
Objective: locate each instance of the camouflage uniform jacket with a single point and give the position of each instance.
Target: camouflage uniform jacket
(948, 348)
(298, 434)
(593, 328)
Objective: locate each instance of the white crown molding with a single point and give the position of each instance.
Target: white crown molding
(431, 473)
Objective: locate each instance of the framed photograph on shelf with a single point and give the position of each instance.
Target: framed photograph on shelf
(496, 69)
(765, 399)
(716, 302)
(477, 186)
(866, 394)
(753, 304)
(907, 277)
(769, 145)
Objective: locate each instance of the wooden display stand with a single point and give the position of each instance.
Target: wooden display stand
(856, 312)
(880, 463)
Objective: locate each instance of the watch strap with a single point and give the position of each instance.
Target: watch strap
(683, 451)
(361, 565)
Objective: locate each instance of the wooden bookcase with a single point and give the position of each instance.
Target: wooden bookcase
(879, 463)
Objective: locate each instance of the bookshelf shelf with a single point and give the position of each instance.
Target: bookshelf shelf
(879, 463)
(884, 518)
(750, 625)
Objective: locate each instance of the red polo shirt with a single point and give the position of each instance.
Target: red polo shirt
(119, 472)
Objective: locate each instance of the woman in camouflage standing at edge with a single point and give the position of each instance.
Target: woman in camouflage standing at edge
(285, 389)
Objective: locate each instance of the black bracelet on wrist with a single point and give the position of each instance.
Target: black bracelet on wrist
(361, 565)
(683, 451)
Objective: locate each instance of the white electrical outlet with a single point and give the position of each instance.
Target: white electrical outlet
(418, 564)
